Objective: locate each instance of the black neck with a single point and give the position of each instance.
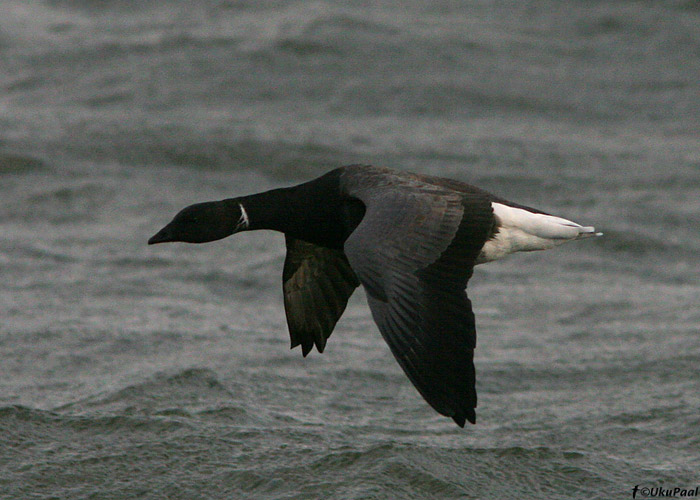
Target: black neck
(314, 211)
(276, 209)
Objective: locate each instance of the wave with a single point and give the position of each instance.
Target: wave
(20, 164)
(276, 158)
(391, 470)
(21, 420)
(190, 390)
(220, 452)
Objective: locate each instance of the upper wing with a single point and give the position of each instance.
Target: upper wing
(317, 284)
(414, 252)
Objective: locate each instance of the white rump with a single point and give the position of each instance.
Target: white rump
(522, 231)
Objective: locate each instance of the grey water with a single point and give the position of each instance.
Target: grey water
(129, 371)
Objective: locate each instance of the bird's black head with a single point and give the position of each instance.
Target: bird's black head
(203, 222)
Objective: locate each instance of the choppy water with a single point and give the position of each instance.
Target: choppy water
(129, 371)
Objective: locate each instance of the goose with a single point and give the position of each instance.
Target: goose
(410, 240)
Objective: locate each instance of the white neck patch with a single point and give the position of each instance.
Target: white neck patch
(244, 221)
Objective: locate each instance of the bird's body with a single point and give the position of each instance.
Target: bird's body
(410, 240)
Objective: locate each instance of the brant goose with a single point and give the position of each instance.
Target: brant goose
(411, 240)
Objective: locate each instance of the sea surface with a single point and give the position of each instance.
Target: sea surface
(129, 371)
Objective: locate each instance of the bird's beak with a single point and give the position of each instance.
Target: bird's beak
(162, 236)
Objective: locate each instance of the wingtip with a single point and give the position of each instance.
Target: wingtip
(306, 349)
(461, 419)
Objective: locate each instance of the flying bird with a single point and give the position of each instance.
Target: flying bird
(410, 240)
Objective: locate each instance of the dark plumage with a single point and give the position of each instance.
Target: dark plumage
(411, 240)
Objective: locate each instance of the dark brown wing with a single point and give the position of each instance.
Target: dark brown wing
(317, 283)
(414, 252)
